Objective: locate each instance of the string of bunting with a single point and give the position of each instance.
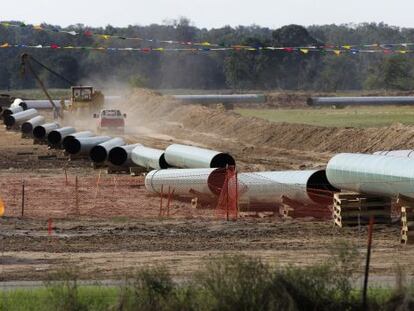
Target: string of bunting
(300, 50)
(387, 48)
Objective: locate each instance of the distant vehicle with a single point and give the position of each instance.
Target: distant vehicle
(110, 120)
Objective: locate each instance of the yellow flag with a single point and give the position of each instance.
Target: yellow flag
(5, 45)
(337, 52)
(159, 49)
(68, 47)
(348, 47)
(403, 51)
(6, 24)
(304, 51)
(106, 37)
(37, 27)
(205, 44)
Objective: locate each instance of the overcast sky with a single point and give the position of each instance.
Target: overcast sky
(209, 13)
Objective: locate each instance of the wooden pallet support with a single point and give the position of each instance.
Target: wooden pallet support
(407, 219)
(353, 209)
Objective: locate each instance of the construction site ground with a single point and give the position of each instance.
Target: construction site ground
(109, 240)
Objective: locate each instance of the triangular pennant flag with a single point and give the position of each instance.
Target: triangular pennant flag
(37, 27)
(348, 47)
(205, 44)
(88, 33)
(288, 50)
(5, 45)
(403, 51)
(304, 51)
(105, 37)
(54, 46)
(73, 33)
(337, 52)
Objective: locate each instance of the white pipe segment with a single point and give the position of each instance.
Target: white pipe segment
(184, 156)
(20, 117)
(306, 187)
(41, 131)
(29, 125)
(372, 174)
(121, 156)
(76, 135)
(56, 137)
(83, 145)
(186, 182)
(99, 153)
(148, 158)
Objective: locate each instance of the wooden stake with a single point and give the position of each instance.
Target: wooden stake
(23, 192)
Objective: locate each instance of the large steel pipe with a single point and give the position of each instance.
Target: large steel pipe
(83, 145)
(193, 157)
(397, 153)
(186, 182)
(76, 135)
(11, 110)
(55, 137)
(40, 104)
(148, 158)
(217, 98)
(29, 125)
(20, 117)
(305, 187)
(121, 156)
(16, 103)
(100, 152)
(372, 174)
(348, 101)
(41, 131)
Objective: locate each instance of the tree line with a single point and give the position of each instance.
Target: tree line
(214, 70)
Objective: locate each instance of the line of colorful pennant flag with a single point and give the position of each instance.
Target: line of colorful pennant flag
(387, 48)
(298, 50)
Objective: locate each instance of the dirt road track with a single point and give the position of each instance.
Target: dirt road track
(109, 249)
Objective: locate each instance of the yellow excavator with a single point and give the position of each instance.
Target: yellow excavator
(81, 96)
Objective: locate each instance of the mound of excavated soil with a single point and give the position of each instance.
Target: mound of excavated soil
(165, 115)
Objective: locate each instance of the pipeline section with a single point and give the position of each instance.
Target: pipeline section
(121, 155)
(360, 101)
(184, 156)
(372, 174)
(304, 187)
(28, 126)
(41, 132)
(16, 119)
(76, 135)
(83, 145)
(223, 99)
(99, 153)
(55, 137)
(186, 182)
(148, 158)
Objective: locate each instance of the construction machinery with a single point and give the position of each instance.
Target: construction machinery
(81, 96)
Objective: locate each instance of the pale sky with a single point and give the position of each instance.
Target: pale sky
(209, 13)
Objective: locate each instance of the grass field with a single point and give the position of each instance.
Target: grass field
(348, 117)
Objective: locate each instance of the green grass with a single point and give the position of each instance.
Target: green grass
(347, 117)
(225, 283)
(56, 298)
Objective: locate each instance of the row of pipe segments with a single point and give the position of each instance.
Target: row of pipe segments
(188, 169)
